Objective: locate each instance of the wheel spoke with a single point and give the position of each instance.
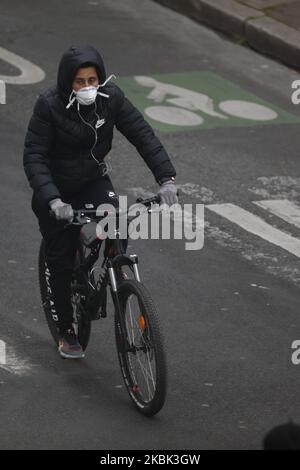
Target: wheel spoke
(139, 358)
(148, 376)
(131, 321)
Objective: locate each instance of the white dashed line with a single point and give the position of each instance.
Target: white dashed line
(283, 208)
(257, 226)
(2, 92)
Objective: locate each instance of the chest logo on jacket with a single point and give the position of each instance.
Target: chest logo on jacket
(99, 123)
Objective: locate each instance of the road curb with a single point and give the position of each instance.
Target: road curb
(259, 31)
(274, 38)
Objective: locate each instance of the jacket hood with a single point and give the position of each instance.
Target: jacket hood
(71, 61)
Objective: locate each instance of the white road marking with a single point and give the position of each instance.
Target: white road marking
(248, 110)
(277, 187)
(268, 187)
(286, 210)
(257, 226)
(205, 195)
(259, 287)
(183, 97)
(174, 116)
(10, 362)
(30, 73)
(2, 352)
(2, 92)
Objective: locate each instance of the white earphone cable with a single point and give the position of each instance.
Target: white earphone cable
(107, 168)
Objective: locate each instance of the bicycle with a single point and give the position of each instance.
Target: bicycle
(138, 335)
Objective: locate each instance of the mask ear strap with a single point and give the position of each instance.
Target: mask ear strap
(107, 80)
(102, 94)
(103, 84)
(71, 101)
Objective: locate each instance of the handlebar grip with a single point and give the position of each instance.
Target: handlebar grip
(145, 202)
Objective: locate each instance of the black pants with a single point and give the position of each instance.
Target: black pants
(61, 243)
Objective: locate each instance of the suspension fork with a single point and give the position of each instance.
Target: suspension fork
(116, 301)
(117, 262)
(124, 260)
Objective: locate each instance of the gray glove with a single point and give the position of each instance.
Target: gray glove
(168, 193)
(61, 210)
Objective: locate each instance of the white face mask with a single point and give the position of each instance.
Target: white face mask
(88, 94)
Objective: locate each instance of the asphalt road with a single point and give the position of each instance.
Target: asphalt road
(230, 311)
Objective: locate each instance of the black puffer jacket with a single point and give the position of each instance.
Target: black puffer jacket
(57, 155)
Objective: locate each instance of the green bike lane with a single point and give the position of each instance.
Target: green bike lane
(229, 324)
(201, 100)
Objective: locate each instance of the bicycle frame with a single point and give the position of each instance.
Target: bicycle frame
(114, 259)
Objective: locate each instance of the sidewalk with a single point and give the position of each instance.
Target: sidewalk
(271, 27)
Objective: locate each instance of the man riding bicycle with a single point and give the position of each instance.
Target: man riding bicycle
(69, 134)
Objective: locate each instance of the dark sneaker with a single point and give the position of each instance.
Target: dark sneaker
(69, 347)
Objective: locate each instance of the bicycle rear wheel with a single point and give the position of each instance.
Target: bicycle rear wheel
(140, 348)
(82, 322)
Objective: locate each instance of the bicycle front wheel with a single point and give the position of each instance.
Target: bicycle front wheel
(140, 348)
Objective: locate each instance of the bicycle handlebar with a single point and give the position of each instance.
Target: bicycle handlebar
(149, 201)
(83, 216)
